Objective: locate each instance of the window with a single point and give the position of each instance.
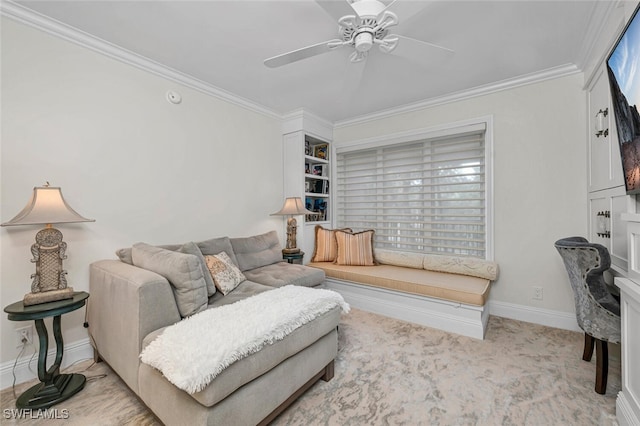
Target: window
(427, 194)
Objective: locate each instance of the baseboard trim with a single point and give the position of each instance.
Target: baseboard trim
(73, 352)
(548, 317)
(625, 414)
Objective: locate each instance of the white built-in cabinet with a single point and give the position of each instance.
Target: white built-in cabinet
(605, 166)
(606, 208)
(613, 216)
(607, 195)
(307, 159)
(628, 401)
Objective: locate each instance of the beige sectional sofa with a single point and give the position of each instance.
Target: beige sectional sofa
(445, 292)
(130, 306)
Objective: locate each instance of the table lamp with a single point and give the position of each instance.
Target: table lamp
(292, 206)
(47, 206)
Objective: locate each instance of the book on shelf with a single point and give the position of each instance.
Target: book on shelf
(325, 187)
(319, 208)
(318, 170)
(321, 151)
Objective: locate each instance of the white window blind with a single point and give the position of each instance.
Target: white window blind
(424, 196)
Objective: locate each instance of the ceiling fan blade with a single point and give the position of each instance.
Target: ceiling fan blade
(405, 43)
(304, 53)
(336, 8)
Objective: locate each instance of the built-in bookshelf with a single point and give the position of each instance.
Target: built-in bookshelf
(307, 160)
(316, 179)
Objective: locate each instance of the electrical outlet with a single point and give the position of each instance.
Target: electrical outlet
(22, 334)
(537, 293)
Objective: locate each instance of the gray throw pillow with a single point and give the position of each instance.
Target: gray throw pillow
(214, 246)
(192, 248)
(183, 271)
(260, 250)
(124, 254)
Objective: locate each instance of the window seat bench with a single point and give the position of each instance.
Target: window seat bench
(444, 292)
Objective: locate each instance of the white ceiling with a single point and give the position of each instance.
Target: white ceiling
(224, 44)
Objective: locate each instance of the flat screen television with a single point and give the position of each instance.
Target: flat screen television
(623, 66)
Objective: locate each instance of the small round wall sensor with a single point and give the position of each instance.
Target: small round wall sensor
(174, 97)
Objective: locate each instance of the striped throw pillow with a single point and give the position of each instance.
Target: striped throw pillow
(326, 248)
(355, 249)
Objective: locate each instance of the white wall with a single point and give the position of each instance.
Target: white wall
(539, 179)
(145, 169)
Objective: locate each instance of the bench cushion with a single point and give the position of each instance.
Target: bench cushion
(441, 285)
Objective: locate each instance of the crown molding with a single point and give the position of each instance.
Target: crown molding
(603, 24)
(311, 123)
(46, 24)
(549, 74)
(66, 32)
(597, 23)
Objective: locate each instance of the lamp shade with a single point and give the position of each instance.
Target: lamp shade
(292, 206)
(46, 206)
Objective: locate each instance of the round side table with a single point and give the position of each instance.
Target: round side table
(293, 257)
(53, 387)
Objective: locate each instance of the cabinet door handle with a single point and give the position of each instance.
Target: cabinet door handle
(600, 130)
(603, 224)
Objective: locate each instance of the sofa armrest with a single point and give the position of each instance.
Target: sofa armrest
(126, 304)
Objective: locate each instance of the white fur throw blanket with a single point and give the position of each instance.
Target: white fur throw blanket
(192, 352)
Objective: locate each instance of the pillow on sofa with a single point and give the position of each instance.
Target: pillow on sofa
(326, 248)
(183, 272)
(124, 254)
(355, 249)
(260, 250)
(225, 274)
(192, 248)
(211, 246)
(216, 245)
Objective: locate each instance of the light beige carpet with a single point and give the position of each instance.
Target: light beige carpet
(393, 372)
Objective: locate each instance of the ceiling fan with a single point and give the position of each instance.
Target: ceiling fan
(361, 25)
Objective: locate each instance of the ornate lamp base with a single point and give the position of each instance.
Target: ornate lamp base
(47, 296)
(49, 281)
(292, 226)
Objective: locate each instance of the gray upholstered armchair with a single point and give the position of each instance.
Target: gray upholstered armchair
(597, 311)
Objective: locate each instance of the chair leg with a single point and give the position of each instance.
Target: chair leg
(588, 347)
(602, 366)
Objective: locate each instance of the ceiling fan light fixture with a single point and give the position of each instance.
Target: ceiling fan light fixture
(368, 25)
(363, 41)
